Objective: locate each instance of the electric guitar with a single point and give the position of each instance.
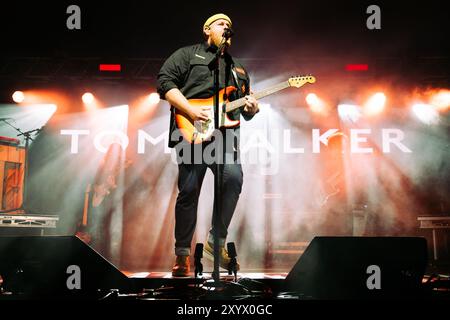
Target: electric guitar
(82, 230)
(197, 131)
(94, 196)
(329, 189)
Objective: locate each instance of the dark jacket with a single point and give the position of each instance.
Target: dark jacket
(190, 70)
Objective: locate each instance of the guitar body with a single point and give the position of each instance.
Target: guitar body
(197, 132)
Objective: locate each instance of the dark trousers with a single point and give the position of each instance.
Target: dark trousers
(190, 180)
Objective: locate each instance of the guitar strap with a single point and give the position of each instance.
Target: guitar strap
(233, 71)
(235, 79)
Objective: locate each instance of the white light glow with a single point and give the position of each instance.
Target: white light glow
(349, 112)
(375, 104)
(18, 96)
(153, 98)
(88, 98)
(425, 113)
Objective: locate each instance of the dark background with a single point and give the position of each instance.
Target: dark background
(272, 36)
(272, 29)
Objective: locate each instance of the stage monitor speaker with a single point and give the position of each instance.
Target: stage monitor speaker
(359, 268)
(38, 266)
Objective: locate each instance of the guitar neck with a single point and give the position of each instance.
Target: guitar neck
(230, 106)
(86, 206)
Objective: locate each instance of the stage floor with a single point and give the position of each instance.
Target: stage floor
(207, 275)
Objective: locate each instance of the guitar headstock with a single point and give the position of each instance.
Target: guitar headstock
(301, 80)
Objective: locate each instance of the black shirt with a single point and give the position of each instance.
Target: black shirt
(190, 70)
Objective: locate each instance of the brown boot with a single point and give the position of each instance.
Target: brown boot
(182, 267)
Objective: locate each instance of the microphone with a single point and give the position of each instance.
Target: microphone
(227, 33)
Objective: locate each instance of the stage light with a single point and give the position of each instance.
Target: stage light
(349, 112)
(375, 104)
(315, 103)
(144, 107)
(88, 98)
(441, 100)
(18, 96)
(311, 98)
(153, 98)
(425, 113)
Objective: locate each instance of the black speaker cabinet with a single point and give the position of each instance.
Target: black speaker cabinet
(359, 268)
(48, 265)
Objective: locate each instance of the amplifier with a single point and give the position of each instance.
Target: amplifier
(12, 159)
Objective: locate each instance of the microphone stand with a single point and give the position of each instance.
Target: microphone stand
(27, 135)
(219, 143)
